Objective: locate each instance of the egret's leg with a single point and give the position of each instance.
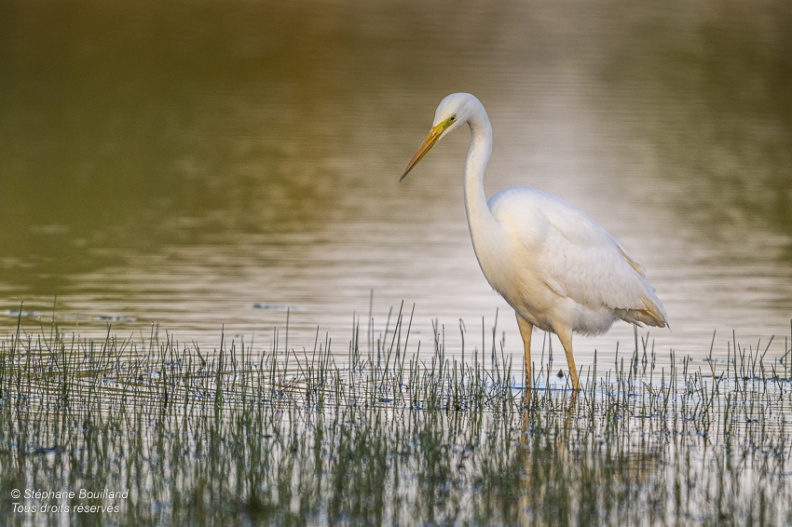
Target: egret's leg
(526, 328)
(566, 340)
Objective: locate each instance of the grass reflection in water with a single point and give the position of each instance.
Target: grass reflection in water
(396, 435)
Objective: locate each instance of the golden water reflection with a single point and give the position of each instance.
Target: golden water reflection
(199, 167)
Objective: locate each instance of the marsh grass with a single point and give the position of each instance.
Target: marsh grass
(388, 433)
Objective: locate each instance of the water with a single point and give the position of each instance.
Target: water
(173, 435)
(227, 167)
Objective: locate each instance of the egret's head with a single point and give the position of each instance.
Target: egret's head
(451, 113)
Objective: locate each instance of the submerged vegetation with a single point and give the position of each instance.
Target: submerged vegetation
(122, 432)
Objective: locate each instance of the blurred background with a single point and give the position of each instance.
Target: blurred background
(193, 167)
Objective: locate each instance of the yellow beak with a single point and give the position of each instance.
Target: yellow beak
(429, 142)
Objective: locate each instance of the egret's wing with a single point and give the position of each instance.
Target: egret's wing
(575, 256)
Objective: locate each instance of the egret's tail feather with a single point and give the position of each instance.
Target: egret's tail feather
(652, 314)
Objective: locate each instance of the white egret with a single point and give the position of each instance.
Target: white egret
(553, 264)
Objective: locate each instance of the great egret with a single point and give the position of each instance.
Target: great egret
(554, 265)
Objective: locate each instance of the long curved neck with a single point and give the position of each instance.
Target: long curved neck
(480, 220)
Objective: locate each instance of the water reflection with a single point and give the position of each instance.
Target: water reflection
(178, 165)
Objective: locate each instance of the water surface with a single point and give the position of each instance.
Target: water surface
(193, 169)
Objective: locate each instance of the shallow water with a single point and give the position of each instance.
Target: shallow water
(184, 440)
(235, 165)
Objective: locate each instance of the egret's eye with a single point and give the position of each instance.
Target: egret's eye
(452, 118)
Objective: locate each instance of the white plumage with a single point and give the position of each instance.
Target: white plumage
(555, 266)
